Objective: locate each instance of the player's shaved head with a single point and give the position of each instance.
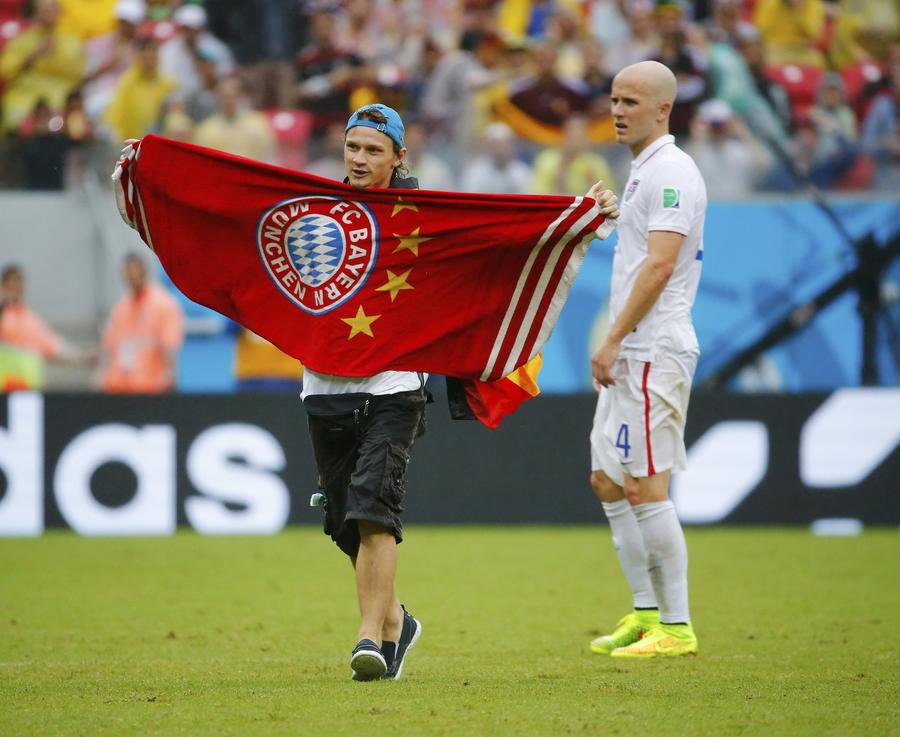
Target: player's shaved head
(655, 79)
(642, 97)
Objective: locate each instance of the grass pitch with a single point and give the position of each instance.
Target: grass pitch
(196, 635)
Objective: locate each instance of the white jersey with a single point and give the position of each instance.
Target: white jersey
(665, 191)
(387, 382)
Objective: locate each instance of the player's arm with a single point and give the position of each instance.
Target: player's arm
(662, 253)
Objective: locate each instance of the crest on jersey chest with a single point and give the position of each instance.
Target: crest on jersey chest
(318, 250)
(632, 186)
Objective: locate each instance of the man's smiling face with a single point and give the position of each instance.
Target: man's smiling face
(369, 157)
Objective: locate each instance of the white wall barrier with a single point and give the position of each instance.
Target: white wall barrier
(237, 464)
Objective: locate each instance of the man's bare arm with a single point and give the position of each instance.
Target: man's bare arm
(662, 253)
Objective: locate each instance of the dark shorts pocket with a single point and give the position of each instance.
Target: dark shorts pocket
(393, 484)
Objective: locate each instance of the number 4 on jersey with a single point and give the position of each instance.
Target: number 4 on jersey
(622, 439)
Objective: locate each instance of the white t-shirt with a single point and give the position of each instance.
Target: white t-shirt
(387, 382)
(665, 191)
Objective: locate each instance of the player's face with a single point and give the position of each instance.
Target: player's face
(635, 112)
(369, 158)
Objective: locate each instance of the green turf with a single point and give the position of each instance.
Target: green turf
(196, 635)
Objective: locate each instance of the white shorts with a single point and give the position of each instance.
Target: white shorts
(639, 423)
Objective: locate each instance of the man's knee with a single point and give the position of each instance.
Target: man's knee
(605, 488)
(647, 489)
(632, 491)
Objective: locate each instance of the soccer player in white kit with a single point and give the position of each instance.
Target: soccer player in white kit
(646, 364)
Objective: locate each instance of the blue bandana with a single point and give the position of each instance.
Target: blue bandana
(392, 127)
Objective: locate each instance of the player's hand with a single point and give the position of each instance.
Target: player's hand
(606, 199)
(602, 364)
(126, 154)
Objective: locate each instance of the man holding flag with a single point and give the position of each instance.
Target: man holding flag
(370, 286)
(363, 429)
(362, 462)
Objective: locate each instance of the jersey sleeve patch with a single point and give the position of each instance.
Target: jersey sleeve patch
(671, 198)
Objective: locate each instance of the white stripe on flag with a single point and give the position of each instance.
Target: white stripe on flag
(562, 291)
(513, 362)
(520, 285)
(121, 206)
(129, 193)
(132, 191)
(144, 219)
(140, 202)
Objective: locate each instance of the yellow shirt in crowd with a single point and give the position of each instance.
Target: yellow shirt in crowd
(249, 134)
(137, 103)
(87, 18)
(51, 76)
(553, 175)
(791, 33)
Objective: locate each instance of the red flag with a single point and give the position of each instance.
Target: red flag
(490, 401)
(352, 282)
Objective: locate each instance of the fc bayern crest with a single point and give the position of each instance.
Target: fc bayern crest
(318, 250)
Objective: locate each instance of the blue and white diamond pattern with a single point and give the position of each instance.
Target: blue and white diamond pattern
(316, 245)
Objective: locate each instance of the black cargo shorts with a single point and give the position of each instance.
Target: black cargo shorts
(362, 446)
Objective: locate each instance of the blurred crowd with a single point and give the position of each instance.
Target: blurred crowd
(139, 346)
(505, 96)
(500, 95)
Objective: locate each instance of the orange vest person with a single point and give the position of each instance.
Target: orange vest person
(19, 326)
(142, 336)
(26, 341)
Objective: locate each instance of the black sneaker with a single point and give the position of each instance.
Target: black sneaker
(389, 650)
(409, 634)
(367, 662)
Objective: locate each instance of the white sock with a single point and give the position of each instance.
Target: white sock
(666, 559)
(629, 545)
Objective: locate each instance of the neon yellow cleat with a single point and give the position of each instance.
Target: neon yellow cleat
(630, 629)
(663, 640)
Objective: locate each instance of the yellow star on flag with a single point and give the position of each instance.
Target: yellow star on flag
(395, 283)
(400, 205)
(411, 241)
(362, 323)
